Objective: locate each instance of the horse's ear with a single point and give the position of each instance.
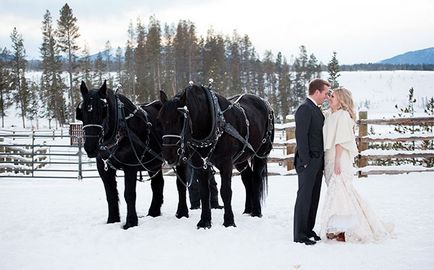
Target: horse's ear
(83, 88)
(163, 97)
(103, 89)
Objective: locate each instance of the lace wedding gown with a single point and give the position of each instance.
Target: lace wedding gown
(344, 209)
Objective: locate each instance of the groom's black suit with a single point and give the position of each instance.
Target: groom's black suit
(309, 164)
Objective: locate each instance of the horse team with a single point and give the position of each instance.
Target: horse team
(197, 129)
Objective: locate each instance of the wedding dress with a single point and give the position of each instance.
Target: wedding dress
(344, 210)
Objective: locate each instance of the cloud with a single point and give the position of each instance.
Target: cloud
(362, 31)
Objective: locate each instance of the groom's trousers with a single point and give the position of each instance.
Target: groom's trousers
(306, 204)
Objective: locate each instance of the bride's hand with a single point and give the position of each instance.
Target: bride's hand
(337, 168)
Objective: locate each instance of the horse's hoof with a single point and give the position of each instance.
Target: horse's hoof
(256, 214)
(229, 224)
(154, 213)
(129, 225)
(247, 212)
(204, 225)
(113, 220)
(181, 215)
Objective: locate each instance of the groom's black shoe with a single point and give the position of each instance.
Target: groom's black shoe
(306, 241)
(314, 235)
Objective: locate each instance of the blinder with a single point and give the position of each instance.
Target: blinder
(79, 112)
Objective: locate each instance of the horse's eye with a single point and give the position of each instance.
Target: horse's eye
(89, 108)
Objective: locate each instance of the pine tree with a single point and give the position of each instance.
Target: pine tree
(128, 81)
(118, 64)
(140, 64)
(270, 80)
(85, 64)
(34, 102)
(100, 68)
(313, 68)
(5, 90)
(107, 57)
(304, 69)
(67, 31)
(52, 85)
(258, 80)
(247, 64)
(234, 59)
(153, 49)
(185, 51)
(333, 70)
(20, 89)
(214, 61)
(284, 85)
(168, 74)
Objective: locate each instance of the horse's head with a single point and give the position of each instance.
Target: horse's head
(92, 111)
(172, 118)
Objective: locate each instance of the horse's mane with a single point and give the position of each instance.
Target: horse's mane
(195, 98)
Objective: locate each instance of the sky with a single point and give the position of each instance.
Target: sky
(359, 31)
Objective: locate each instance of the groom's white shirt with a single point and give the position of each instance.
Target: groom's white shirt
(314, 102)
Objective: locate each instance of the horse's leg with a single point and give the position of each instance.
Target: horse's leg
(205, 217)
(259, 185)
(130, 196)
(247, 178)
(109, 180)
(157, 186)
(226, 193)
(182, 210)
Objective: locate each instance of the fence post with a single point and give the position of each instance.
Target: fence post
(2, 150)
(33, 152)
(80, 172)
(290, 134)
(363, 132)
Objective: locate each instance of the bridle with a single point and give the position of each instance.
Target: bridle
(180, 142)
(109, 146)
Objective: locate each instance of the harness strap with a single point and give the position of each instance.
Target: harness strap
(121, 126)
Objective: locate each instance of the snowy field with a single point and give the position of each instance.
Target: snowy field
(60, 224)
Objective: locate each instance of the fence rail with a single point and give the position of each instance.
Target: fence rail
(44, 154)
(29, 155)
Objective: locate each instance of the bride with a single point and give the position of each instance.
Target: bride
(346, 216)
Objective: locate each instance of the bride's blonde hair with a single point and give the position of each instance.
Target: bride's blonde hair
(345, 98)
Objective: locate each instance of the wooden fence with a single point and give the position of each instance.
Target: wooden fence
(30, 158)
(363, 140)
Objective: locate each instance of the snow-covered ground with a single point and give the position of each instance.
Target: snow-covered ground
(60, 224)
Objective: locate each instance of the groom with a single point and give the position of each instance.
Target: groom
(309, 161)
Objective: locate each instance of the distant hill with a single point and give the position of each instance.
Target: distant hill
(6, 57)
(420, 57)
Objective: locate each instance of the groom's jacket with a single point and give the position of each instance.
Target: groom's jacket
(309, 121)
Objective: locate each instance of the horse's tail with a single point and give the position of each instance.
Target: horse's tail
(264, 151)
(263, 191)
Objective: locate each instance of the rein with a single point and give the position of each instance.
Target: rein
(219, 126)
(120, 131)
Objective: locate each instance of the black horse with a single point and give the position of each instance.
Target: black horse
(123, 136)
(203, 128)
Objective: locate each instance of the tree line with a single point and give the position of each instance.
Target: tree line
(156, 57)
